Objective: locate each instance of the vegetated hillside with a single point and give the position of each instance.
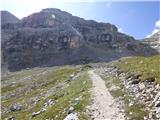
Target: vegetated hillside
(56, 92)
(54, 37)
(145, 67)
(142, 82)
(135, 83)
(45, 93)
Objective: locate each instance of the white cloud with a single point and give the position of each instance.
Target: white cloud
(108, 4)
(120, 30)
(156, 29)
(158, 24)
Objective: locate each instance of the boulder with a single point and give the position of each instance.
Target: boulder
(150, 79)
(16, 107)
(72, 116)
(70, 110)
(10, 118)
(141, 86)
(157, 103)
(153, 41)
(136, 81)
(8, 18)
(34, 114)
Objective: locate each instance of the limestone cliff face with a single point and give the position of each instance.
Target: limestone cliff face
(153, 41)
(54, 37)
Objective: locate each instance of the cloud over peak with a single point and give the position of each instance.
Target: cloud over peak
(156, 29)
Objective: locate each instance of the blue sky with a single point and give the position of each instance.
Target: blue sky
(137, 19)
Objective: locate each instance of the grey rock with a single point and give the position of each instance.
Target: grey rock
(114, 88)
(49, 103)
(141, 86)
(131, 104)
(43, 109)
(10, 118)
(84, 82)
(151, 79)
(16, 107)
(8, 18)
(136, 81)
(157, 87)
(143, 92)
(71, 76)
(79, 98)
(153, 41)
(72, 116)
(70, 110)
(54, 37)
(157, 104)
(145, 118)
(34, 114)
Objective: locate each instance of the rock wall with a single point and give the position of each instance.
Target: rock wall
(153, 41)
(54, 37)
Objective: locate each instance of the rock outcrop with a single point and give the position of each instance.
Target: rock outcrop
(7, 17)
(153, 41)
(54, 37)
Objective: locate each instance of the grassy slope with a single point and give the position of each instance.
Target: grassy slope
(146, 66)
(137, 109)
(45, 82)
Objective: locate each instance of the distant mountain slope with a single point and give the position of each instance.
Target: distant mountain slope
(7, 17)
(154, 41)
(54, 37)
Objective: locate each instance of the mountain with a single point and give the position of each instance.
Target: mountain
(153, 41)
(7, 17)
(54, 37)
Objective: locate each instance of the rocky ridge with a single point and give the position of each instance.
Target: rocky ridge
(153, 41)
(54, 37)
(8, 18)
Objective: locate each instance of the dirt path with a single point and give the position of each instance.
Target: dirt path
(103, 106)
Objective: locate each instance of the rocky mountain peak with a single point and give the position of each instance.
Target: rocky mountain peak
(7, 17)
(50, 10)
(54, 37)
(49, 17)
(56, 11)
(153, 41)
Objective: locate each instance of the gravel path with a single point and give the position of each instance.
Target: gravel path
(103, 106)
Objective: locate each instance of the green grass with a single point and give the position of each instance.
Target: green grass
(147, 67)
(20, 74)
(10, 88)
(137, 109)
(44, 82)
(75, 90)
(112, 80)
(64, 96)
